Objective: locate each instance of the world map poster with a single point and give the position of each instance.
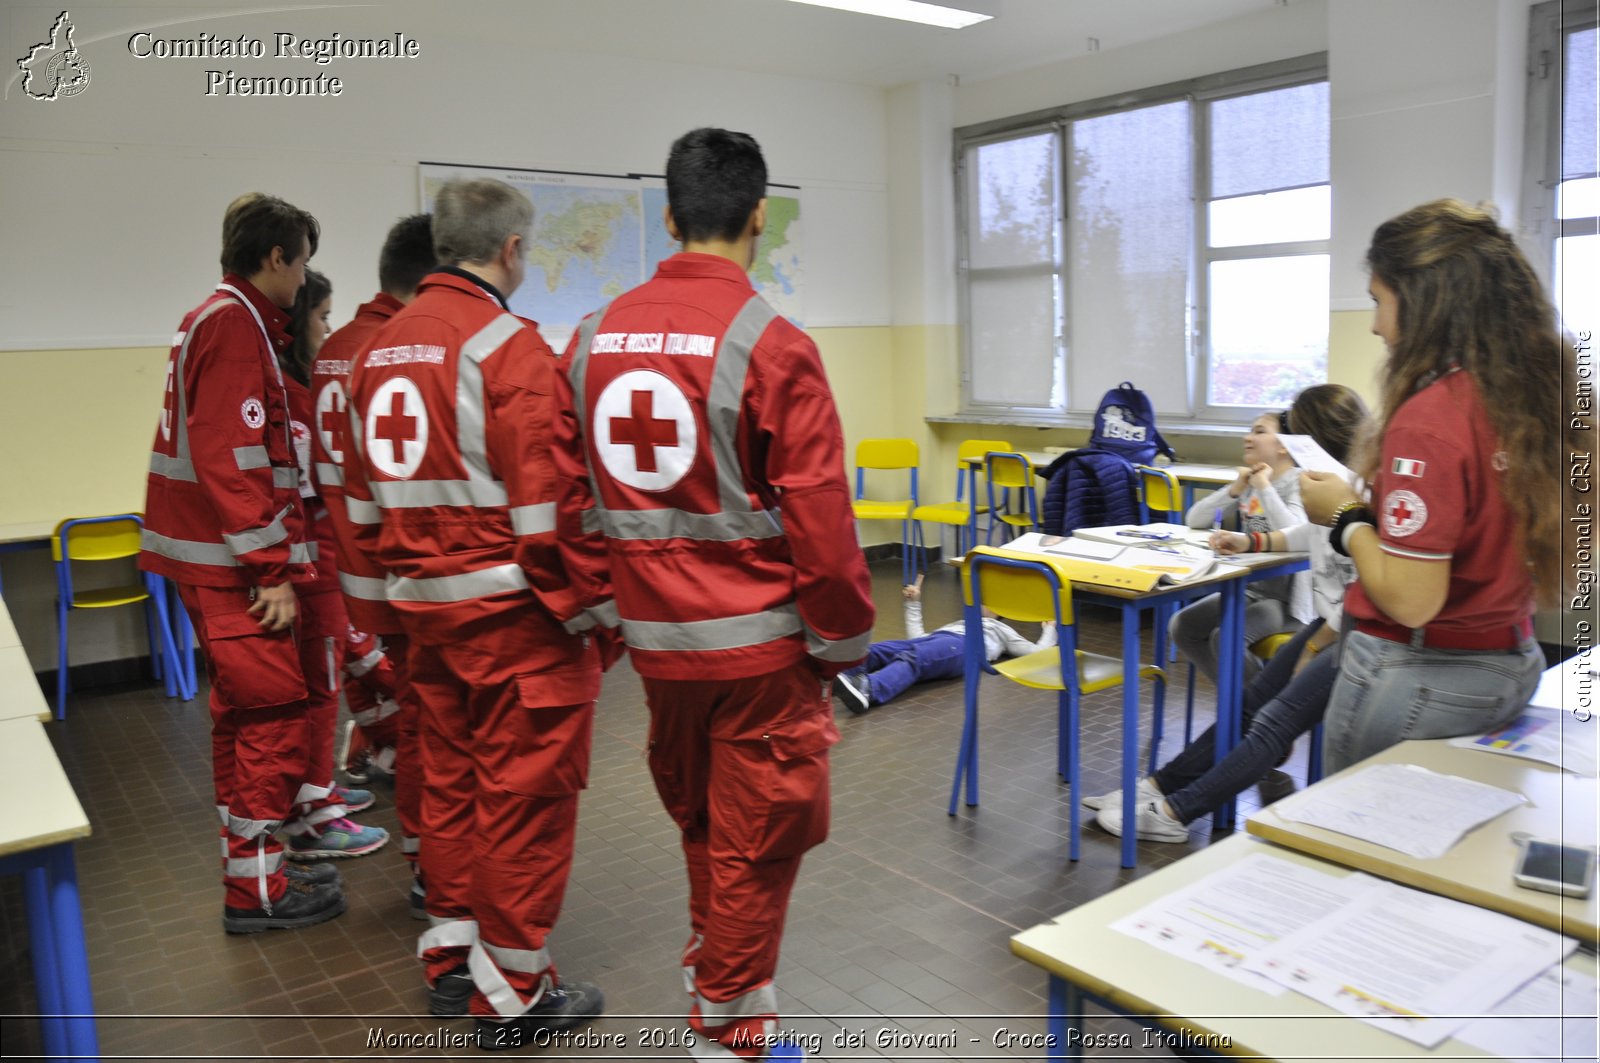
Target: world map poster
(596, 236)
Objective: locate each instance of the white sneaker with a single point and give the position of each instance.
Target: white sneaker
(1154, 825)
(1144, 791)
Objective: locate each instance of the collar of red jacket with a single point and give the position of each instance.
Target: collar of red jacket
(698, 264)
(383, 304)
(463, 281)
(273, 317)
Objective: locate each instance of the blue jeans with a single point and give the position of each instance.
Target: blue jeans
(1196, 628)
(1279, 707)
(893, 665)
(1388, 692)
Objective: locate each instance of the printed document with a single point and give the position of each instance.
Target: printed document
(1548, 735)
(1400, 806)
(1552, 1017)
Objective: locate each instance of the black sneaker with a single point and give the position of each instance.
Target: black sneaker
(564, 1005)
(301, 905)
(449, 996)
(312, 874)
(854, 691)
(1274, 786)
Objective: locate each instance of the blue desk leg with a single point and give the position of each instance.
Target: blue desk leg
(66, 917)
(42, 937)
(1130, 730)
(1230, 685)
(1066, 1014)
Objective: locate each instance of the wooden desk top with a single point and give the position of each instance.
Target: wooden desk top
(41, 807)
(20, 696)
(1478, 870)
(1140, 979)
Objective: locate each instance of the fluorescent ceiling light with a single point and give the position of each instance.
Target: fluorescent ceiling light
(929, 14)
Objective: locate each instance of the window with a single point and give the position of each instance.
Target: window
(1562, 183)
(1177, 238)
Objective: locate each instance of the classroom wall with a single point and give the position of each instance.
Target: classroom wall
(124, 188)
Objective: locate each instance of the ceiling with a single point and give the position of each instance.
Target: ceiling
(778, 37)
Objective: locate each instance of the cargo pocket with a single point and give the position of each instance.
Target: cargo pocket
(552, 734)
(788, 787)
(251, 668)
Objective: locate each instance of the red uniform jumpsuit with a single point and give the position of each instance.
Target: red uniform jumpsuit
(714, 453)
(323, 626)
(451, 486)
(223, 516)
(360, 578)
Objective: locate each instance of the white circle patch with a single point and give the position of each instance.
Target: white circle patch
(644, 430)
(1404, 513)
(397, 428)
(254, 414)
(332, 419)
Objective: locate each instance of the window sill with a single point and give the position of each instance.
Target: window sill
(1085, 423)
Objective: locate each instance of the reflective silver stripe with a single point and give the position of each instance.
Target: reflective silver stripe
(470, 401)
(366, 717)
(488, 980)
(604, 615)
(309, 822)
(172, 468)
(285, 477)
(250, 828)
(459, 588)
(757, 1002)
(195, 553)
(222, 811)
(725, 633)
(419, 494)
(308, 793)
(445, 933)
(722, 527)
(367, 588)
(247, 458)
(725, 399)
(362, 511)
(591, 521)
(533, 520)
(411, 843)
(259, 538)
(525, 961)
(329, 474)
(367, 663)
(250, 866)
(850, 649)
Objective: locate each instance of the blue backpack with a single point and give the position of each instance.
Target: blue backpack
(1125, 424)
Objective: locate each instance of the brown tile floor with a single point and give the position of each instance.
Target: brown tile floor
(899, 922)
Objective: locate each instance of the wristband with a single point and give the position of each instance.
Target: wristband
(1349, 518)
(1345, 507)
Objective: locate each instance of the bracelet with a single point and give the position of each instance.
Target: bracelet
(1349, 518)
(1345, 507)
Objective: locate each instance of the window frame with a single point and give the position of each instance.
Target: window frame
(1549, 24)
(1199, 93)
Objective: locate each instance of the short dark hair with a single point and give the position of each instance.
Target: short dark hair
(407, 255)
(715, 178)
(255, 223)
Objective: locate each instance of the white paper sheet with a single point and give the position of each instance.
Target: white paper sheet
(1548, 735)
(1412, 963)
(1400, 806)
(1309, 455)
(1552, 1017)
(1222, 920)
(1172, 563)
(1121, 534)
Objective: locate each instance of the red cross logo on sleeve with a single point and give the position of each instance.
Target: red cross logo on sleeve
(1404, 513)
(644, 431)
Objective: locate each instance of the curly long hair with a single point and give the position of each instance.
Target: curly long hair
(1468, 297)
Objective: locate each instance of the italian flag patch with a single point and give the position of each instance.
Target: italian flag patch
(1408, 467)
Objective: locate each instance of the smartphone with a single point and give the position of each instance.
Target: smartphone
(1555, 868)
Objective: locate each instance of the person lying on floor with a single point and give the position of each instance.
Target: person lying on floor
(894, 665)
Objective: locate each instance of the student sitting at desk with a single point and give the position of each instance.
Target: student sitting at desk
(1265, 496)
(1290, 694)
(894, 665)
(1467, 469)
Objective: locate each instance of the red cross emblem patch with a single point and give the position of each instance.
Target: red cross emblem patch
(397, 428)
(644, 430)
(1404, 513)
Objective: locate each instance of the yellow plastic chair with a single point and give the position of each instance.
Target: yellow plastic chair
(1033, 589)
(1011, 471)
(109, 538)
(963, 512)
(892, 455)
(1159, 493)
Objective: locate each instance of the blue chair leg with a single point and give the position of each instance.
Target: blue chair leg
(183, 636)
(1075, 815)
(157, 662)
(62, 682)
(178, 682)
